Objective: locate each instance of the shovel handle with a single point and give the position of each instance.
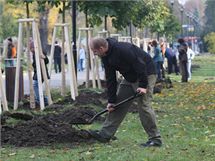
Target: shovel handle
(97, 115)
(137, 94)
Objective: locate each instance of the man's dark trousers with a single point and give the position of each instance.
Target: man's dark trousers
(146, 113)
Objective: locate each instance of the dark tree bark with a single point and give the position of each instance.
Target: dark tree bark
(43, 28)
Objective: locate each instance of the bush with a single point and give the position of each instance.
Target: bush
(210, 40)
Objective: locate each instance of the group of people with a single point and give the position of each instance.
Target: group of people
(140, 72)
(57, 66)
(186, 54)
(183, 54)
(57, 58)
(11, 55)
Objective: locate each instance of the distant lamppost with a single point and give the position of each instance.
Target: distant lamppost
(192, 26)
(188, 24)
(182, 10)
(172, 3)
(74, 33)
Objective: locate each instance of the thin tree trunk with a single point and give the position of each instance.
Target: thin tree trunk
(32, 99)
(43, 28)
(105, 23)
(63, 87)
(87, 53)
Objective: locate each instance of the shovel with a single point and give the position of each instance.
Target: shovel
(116, 106)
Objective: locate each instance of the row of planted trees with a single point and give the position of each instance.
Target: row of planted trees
(143, 13)
(153, 14)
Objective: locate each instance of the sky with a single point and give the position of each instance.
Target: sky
(182, 1)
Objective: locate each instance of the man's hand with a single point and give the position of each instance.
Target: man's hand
(110, 107)
(141, 90)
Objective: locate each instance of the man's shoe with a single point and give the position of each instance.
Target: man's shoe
(95, 134)
(152, 143)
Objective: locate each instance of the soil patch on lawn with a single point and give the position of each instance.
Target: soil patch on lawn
(48, 129)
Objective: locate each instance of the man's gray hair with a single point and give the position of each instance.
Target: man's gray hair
(98, 42)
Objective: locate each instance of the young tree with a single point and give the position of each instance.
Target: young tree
(171, 27)
(210, 14)
(210, 40)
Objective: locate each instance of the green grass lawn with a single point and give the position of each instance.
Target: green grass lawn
(186, 118)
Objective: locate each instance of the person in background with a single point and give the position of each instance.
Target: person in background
(57, 57)
(182, 49)
(149, 48)
(158, 59)
(11, 51)
(171, 60)
(174, 59)
(163, 49)
(139, 74)
(81, 58)
(190, 57)
(35, 80)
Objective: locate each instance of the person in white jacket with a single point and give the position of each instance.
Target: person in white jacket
(190, 57)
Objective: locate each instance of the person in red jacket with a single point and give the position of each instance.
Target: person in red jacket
(11, 52)
(138, 70)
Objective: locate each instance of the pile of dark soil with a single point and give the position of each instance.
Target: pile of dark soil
(40, 132)
(48, 129)
(161, 84)
(87, 97)
(90, 84)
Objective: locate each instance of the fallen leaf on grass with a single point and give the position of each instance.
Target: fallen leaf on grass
(88, 153)
(212, 118)
(208, 131)
(213, 135)
(188, 118)
(12, 154)
(52, 151)
(32, 156)
(202, 107)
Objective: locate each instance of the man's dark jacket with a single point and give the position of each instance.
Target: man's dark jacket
(132, 62)
(57, 52)
(182, 49)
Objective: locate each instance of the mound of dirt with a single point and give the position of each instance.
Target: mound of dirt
(49, 129)
(89, 97)
(40, 132)
(90, 84)
(84, 98)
